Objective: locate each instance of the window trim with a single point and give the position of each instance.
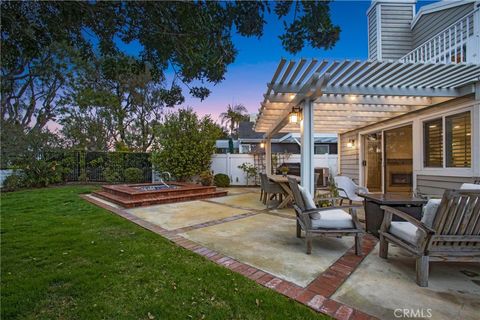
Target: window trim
(444, 169)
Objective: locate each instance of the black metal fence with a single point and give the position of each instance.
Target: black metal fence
(98, 166)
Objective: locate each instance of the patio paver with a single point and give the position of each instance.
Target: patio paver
(266, 242)
(184, 214)
(246, 201)
(380, 286)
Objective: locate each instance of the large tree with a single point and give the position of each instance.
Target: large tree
(45, 43)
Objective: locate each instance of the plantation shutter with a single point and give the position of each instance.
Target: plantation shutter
(458, 140)
(433, 143)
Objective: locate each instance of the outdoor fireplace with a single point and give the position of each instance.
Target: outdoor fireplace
(400, 179)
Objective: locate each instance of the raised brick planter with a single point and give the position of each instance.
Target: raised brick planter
(131, 195)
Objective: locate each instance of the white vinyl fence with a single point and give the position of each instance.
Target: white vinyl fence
(228, 164)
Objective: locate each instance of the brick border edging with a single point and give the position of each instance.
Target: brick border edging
(316, 295)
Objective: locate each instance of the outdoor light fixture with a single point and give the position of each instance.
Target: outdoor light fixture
(262, 145)
(294, 116)
(351, 143)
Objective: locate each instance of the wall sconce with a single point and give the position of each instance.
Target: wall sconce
(351, 143)
(262, 145)
(294, 116)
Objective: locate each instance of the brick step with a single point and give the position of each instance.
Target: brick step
(129, 203)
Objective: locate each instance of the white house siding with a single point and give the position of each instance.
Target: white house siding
(428, 25)
(372, 33)
(435, 185)
(349, 158)
(395, 30)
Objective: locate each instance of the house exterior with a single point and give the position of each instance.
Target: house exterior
(250, 141)
(440, 151)
(408, 118)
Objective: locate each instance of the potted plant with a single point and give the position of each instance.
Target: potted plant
(206, 178)
(284, 170)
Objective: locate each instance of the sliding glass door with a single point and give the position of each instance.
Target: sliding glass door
(388, 160)
(398, 159)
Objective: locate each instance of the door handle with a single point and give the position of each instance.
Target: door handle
(364, 163)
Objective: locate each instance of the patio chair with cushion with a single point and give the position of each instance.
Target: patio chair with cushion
(324, 222)
(448, 231)
(270, 189)
(348, 190)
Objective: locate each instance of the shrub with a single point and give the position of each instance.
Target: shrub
(249, 169)
(221, 180)
(206, 178)
(13, 182)
(133, 175)
(184, 144)
(41, 173)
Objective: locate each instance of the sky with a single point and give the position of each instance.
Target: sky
(257, 59)
(246, 79)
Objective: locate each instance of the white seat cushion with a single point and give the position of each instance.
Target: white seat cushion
(470, 186)
(405, 231)
(309, 203)
(429, 211)
(333, 219)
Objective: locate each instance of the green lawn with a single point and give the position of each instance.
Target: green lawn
(64, 258)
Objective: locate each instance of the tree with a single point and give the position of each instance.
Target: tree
(185, 143)
(194, 39)
(233, 116)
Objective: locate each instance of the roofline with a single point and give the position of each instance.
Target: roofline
(438, 6)
(375, 2)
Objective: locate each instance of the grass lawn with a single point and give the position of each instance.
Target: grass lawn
(64, 258)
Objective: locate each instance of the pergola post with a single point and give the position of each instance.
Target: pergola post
(268, 157)
(307, 146)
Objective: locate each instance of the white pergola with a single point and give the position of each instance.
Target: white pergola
(340, 96)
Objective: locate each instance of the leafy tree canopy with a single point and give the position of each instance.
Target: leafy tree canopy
(185, 144)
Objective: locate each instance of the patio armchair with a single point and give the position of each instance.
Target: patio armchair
(448, 231)
(348, 190)
(270, 189)
(324, 222)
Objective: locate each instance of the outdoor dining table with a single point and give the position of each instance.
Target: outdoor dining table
(283, 182)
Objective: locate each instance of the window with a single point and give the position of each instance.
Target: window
(433, 143)
(458, 140)
(322, 149)
(245, 148)
(455, 132)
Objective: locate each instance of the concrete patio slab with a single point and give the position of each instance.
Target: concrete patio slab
(269, 243)
(379, 287)
(183, 214)
(247, 201)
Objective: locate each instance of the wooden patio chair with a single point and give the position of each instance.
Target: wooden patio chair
(449, 230)
(270, 189)
(324, 222)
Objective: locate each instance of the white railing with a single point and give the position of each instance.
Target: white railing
(459, 43)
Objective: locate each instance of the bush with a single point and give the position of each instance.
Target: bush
(133, 175)
(221, 180)
(13, 182)
(206, 178)
(41, 173)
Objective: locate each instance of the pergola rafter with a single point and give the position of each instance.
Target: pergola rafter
(348, 94)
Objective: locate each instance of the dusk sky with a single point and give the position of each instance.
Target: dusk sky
(257, 58)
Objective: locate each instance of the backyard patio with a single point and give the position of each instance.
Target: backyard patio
(240, 233)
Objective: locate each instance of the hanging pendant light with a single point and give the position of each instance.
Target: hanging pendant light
(294, 116)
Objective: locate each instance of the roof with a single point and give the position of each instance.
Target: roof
(352, 94)
(246, 132)
(438, 6)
